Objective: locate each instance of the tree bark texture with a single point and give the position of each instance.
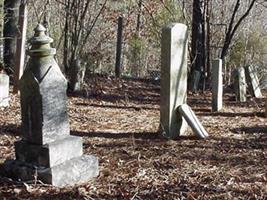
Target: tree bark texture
(198, 42)
(119, 47)
(11, 11)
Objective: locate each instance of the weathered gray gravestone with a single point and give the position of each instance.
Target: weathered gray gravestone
(4, 90)
(217, 85)
(240, 84)
(47, 150)
(196, 78)
(173, 79)
(77, 74)
(253, 81)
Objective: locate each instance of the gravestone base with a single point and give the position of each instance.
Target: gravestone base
(51, 154)
(76, 170)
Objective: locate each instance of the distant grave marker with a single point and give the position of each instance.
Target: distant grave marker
(253, 81)
(196, 78)
(217, 85)
(4, 90)
(47, 150)
(240, 84)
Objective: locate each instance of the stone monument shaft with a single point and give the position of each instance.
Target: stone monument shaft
(217, 85)
(173, 79)
(43, 94)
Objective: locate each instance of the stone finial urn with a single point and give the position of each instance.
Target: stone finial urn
(47, 149)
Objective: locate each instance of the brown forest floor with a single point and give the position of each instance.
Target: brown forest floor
(119, 122)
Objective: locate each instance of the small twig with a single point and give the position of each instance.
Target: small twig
(134, 196)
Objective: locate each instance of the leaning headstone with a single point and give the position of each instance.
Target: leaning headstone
(217, 85)
(240, 84)
(193, 121)
(47, 151)
(253, 81)
(173, 79)
(4, 90)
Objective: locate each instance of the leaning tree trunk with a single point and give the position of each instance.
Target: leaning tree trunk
(10, 31)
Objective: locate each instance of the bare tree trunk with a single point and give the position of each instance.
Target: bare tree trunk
(21, 41)
(10, 32)
(138, 63)
(77, 31)
(138, 21)
(198, 44)
(1, 34)
(66, 38)
(208, 39)
(119, 48)
(46, 20)
(232, 28)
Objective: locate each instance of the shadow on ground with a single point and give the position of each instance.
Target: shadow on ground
(10, 129)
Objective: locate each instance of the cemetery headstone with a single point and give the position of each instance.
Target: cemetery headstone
(47, 150)
(77, 74)
(173, 79)
(4, 90)
(240, 84)
(193, 121)
(196, 78)
(217, 85)
(253, 81)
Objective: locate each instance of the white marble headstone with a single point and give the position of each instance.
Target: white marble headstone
(240, 84)
(253, 81)
(173, 79)
(4, 90)
(217, 85)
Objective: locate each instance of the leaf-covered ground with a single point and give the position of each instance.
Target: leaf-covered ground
(119, 120)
